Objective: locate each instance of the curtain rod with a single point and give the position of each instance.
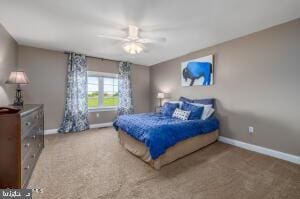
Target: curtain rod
(102, 59)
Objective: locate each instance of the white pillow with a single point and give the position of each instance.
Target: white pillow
(205, 105)
(181, 114)
(208, 114)
(207, 111)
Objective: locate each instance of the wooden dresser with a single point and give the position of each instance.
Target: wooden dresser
(21, 142)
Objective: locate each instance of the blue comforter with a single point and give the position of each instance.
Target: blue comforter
(160, 132)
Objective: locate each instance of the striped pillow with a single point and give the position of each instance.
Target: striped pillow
(181, 114)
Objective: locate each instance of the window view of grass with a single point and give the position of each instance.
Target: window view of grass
(109, 100)
(93, 99)
(106, 85)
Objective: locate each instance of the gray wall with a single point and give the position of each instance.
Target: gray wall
(256, 84)
(46, 70)
(8, 63)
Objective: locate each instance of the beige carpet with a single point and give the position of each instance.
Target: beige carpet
(94, 165)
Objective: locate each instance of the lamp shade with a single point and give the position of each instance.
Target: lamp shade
(17, 77)
(133, 47)
(160, 95)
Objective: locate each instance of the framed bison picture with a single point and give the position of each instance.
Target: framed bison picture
(198, 72)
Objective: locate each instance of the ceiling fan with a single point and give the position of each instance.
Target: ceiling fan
(134, 44)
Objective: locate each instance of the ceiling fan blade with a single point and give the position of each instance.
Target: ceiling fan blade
(113, 37)
(152, 40)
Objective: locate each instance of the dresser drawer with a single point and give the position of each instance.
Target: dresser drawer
(26, 147)
(27, 166)
(30, 121)
(29, 141)
(40, 115)
(29, 160)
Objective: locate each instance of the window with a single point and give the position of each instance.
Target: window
(103, 91)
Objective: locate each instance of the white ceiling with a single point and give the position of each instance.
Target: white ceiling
(188, 25)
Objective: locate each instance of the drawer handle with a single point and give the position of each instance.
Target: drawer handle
(36, 117)
(33, 156)
(27, 123)
(34, 137)
(27, 145)
(27, 167)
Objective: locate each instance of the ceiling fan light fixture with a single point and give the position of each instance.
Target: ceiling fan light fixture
(133, 47)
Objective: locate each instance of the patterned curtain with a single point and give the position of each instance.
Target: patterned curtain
(125, 89)
(76, 107)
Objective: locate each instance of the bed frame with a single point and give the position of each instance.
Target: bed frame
(175, 152)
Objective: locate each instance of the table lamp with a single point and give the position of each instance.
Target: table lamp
(18, 77)
(160, 96)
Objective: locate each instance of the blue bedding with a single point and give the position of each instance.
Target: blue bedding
(160, 132)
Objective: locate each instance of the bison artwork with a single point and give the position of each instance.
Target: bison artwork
(195, 70)
(198, 72)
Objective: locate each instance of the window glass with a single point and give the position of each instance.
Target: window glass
(93, 92)
(110, 89)
(116, 81)
(102, 92)
(108, 81)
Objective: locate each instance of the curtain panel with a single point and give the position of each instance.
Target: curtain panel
(76, 106)
(125, 89)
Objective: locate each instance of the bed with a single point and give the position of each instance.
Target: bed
(160, 140)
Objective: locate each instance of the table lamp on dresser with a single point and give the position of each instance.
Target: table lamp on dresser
(18, 77)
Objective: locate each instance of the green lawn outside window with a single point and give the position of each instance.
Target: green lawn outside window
(93, 102)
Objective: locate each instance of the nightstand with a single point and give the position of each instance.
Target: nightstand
(158, 109)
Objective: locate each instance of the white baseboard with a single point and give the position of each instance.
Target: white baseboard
(50, 131)
(262, 150)
(101, 125)
(92, 126)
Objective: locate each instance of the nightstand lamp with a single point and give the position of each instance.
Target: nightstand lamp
(18, 77)
(160, 96)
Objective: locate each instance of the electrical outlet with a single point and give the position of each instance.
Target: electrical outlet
(97, 115)
(251, 129)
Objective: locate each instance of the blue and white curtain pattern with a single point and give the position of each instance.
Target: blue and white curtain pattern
(125, 89)
(76, 107)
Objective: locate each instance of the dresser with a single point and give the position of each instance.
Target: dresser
(21, 142)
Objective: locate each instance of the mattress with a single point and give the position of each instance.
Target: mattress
(159, 132)
(173, 153)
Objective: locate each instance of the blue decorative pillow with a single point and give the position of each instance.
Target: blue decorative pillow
(196, 111)
(184, 99)
(169, 108)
